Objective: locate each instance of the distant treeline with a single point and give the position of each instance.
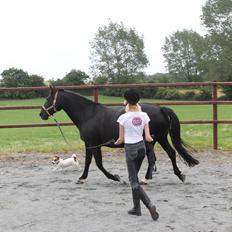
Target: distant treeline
(18, 78)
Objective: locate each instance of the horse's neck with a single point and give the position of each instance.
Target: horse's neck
(77, 107)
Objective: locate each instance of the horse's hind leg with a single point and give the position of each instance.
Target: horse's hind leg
(172, 155)
(88, 159)
(151, 158)
(98, 159)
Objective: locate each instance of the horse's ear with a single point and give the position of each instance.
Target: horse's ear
(52, 89)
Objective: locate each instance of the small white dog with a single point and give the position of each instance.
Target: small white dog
(63, 163)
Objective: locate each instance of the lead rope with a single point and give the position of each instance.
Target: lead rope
(110, 142)
(61, 132)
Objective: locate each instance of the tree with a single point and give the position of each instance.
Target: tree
(183, 52)
(117, 53)
(57, 82)
(159, 78)
(217, 17)
(36, 80)
(100, 80)
(14, 77)
(74, 77)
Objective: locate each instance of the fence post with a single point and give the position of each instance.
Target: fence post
(215, 117)
(95, 94)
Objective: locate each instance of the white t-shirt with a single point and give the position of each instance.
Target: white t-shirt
(133, 123)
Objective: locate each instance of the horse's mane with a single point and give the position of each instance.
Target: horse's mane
(85, 99)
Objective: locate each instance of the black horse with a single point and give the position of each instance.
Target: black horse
(98, 125)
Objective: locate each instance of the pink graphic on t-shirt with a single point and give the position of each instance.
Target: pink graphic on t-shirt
(137, 121)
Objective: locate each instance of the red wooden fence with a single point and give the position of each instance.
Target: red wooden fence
(214, 102)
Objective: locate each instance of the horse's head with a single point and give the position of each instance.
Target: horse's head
(51, 105)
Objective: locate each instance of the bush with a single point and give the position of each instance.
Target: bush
(204, 95)
(143, 92)
(113, 92)
(227, 90)
(168, 94)
(189, 95)
(148, 92)
(23, 94)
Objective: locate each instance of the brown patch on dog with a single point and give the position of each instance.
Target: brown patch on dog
(56, 158)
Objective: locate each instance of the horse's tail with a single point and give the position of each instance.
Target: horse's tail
(178, 143)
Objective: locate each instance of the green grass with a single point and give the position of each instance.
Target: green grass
(49, 140)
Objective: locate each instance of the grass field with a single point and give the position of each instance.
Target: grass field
(48, 139)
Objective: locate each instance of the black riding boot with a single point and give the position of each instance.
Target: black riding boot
(147, 202)
(136, 210)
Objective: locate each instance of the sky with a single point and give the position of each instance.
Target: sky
(52, 37)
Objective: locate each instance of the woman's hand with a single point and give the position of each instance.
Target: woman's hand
(119, 141)
(149, 138)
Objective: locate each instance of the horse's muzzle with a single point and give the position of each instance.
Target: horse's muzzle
(43, 116)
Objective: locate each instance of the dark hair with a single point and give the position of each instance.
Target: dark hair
(131, 96)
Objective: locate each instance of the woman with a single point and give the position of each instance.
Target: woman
(131, 127)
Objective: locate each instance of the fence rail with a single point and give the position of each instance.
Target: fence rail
(96, 88)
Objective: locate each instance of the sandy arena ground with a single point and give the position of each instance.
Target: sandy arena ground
(34, 198)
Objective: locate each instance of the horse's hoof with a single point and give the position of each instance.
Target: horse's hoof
(182, 177)
(117, 178)
(80, 181)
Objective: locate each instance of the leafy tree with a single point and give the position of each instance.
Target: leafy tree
(15, 78)
(74, 77)
(183, 52)
(58, 82)
(117, 53)
(100, 80)
(160, 78)
(18, 78)
(35, 80)
(217, 17)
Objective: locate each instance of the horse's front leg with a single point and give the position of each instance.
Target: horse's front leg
(98, 159)
(88, 159)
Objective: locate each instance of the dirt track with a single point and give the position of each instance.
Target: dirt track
(33, 198)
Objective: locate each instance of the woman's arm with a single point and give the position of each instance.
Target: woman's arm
(148, 137)
(121, 135)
